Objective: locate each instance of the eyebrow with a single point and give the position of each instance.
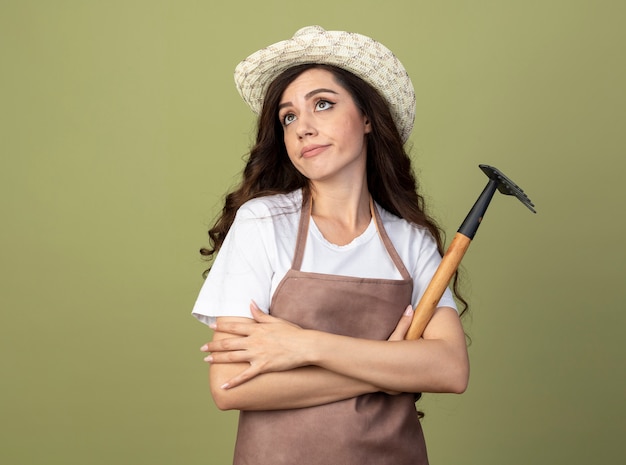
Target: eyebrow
(308, 96)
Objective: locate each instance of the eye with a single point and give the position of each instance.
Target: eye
(322, 105)
(288, 119)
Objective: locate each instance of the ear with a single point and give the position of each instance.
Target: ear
(366, 125)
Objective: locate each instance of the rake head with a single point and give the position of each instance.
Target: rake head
(506, 186)
(497, 181)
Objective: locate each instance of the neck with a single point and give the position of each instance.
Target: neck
(341, 214)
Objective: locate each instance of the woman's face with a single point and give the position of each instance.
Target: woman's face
(324, 130)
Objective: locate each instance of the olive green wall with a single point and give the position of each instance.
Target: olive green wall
(120, 129)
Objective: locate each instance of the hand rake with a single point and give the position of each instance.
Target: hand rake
(459, 245)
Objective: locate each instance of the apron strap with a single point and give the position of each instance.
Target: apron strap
(303, 230)
(391, 250)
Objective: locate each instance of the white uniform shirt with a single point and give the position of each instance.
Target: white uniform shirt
(259, 248)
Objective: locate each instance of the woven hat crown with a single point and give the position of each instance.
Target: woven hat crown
(361, 55)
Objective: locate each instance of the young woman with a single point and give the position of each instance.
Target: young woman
(324, 249)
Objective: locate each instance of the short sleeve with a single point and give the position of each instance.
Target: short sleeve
(241, 272)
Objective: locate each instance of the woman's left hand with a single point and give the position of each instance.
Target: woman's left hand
(268, 344)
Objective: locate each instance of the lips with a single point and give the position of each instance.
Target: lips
(312, 150)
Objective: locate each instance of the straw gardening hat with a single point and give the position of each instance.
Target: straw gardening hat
(361, 55)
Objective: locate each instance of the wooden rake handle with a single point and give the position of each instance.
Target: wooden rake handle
(438, 284)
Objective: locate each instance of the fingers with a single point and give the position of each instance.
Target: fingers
(403, 325)
(392, 393)
(233, 327)
(254, 308)
(241, 378)
(225, 351)
(228, 345)
(227, 357)
(259, 315)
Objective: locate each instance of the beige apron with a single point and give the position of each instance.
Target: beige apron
(376, 429)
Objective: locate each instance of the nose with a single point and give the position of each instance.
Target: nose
(305, 126)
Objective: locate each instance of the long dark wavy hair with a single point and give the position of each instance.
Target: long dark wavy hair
(269, 171)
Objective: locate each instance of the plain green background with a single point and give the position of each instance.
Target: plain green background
(121, 130)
